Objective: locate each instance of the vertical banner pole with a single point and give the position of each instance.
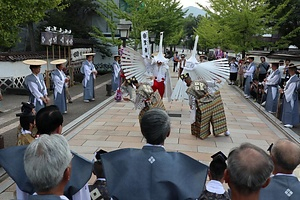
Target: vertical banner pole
(59, 52)
(53, 52)
(71, 69)
(65, 56)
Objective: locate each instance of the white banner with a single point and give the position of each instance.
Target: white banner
(145, 44)
(76, 54)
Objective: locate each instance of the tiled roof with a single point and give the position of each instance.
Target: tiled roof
(20, 56)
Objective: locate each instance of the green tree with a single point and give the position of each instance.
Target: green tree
(209, 34)
(239, 24)
(290, 28)
(77, 17)
(19, 13)
(152, 15)
(190, 23)
(74, 17)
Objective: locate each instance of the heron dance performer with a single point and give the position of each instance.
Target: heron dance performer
(206, 108)
(217, 69)
(155, 71)
(146, 98)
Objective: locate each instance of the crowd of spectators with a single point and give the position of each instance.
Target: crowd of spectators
(274, 85)
(52, 171)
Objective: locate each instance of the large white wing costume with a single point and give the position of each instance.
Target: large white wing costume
(208, 71)
(133, 64)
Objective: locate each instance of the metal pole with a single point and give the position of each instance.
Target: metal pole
(47, 58)
(124, 42)
(152, 44)
(71, 70)
(47, 71)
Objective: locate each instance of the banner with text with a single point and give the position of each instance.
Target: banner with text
(145, 44)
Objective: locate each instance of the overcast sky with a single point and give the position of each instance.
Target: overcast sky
(187, 3)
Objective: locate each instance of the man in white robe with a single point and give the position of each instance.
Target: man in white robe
(290, 112)
(36, 85)
(272, 83)
(59, 79)
(89, 71)
(116, 81)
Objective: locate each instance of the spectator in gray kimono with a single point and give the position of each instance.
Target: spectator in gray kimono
(36, 85)
(290, 111)
(271, 84)
(249, 75)
(248, 170)
(116, 70)
(59, 79)
(284, 184)
(47, 163)
(90, 73)
(152, 172)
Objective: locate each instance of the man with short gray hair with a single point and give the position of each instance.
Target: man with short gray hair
(152, 172)
(249, 169)
(48, 121)
(47, 163)
(284, 184)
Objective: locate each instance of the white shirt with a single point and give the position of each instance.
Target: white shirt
(117, 69)
(87, 72)
(234, 67)
(59, 82)
(281, 174)
(25, 131)
(62, 197)
(288, 92)
(250, 70)
(160, 72)
(215, 187)
(281, 69)
(153, 145)
(33, 87)
(273, 79)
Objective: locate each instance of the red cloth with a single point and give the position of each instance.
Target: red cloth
(122, 75)
(160, 86)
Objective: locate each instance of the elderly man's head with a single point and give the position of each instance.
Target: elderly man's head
(286, 156)
(155, 126)
(47, 163)
(249, 169)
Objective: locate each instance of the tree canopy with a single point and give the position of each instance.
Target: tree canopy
(238, 24)
(190, 23)
(14, 14)
(152, 15)
(289, 30)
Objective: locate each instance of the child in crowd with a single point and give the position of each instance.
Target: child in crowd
(214, 188)
(254, 89)
(98, 190)
(26, 130)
